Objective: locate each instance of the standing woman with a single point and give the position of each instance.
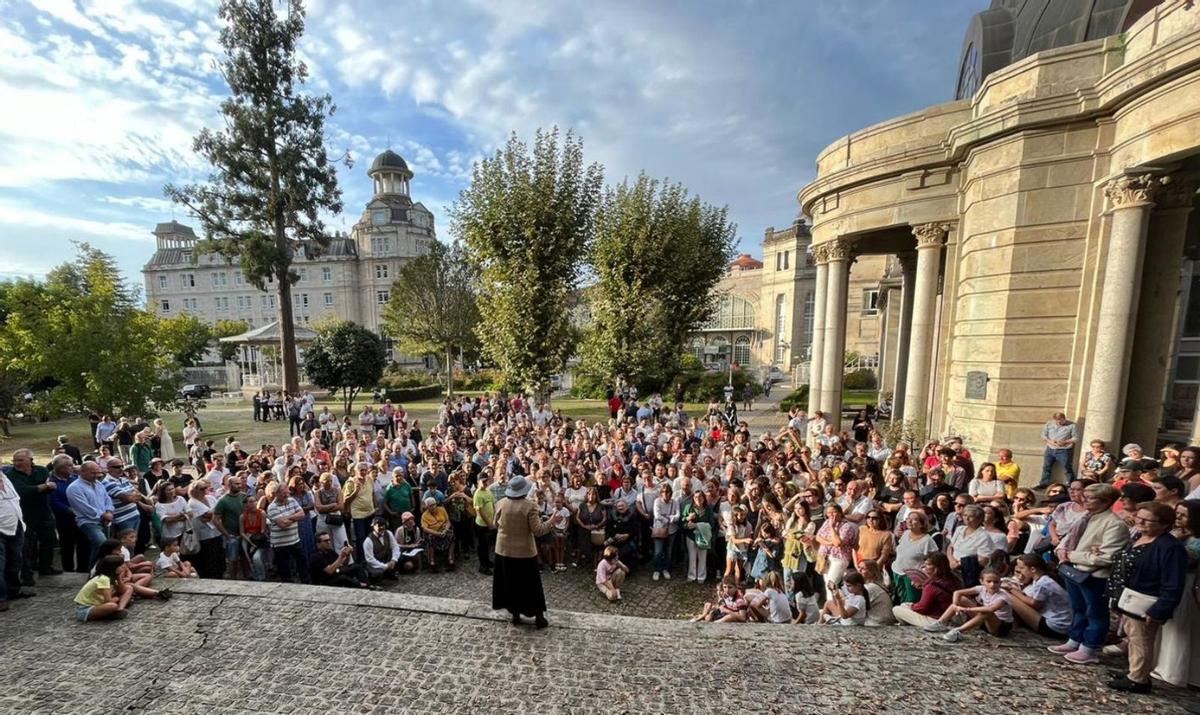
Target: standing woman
(1177, 656)
(166, 445)
(838, 537)
(516, 584)
(862, 427)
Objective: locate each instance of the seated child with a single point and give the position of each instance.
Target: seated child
(137, 564)
(849, 605)
(805, 598)
(984, 605)
(730, 606)
(169, 563)
(98, 599)
(610, 574)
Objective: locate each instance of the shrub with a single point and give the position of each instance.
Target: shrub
(863, 379)
(795, 398)
(402, 380)
(410, 394)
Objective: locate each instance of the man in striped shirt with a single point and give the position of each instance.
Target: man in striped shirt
(124, 495)
(284, 515)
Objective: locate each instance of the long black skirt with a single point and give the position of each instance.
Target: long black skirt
(517, 586)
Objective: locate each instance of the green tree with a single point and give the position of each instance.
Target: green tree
(526, 221)
(657, 258)
(271, 176)
(82, 338)
(432, 307)
(226, 328)
(185, 337)
(347, 357)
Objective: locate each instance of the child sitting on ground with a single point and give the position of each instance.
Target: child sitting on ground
(169, 563)
(771, 605)
(138, 583)
(805, 598)
(985, 605)
(730, 606)
(98, 599)
(610, 574)
(849, 605)
(138, 564)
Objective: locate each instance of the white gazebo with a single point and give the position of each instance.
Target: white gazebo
(259, 365)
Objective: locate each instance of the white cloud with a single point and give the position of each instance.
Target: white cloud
(146, 203)
(24, 217)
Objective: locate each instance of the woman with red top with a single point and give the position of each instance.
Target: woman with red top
(937, 593)
(254, 539)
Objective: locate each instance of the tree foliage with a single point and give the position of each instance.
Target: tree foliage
(272, 176)
(226, 328)
(657, 258)
(526, 220)
(185, 337)
(432, 308)
(347, 357)
(80, 340)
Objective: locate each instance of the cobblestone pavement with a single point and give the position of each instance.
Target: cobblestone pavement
(223, 648)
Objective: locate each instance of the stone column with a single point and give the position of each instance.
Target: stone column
(1157, 325)
(908, 277)
(930, 239)
(1131, 197)
(887, 299)
(817, 351)
(834, 363)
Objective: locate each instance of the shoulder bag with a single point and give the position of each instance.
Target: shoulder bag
(1135, 603)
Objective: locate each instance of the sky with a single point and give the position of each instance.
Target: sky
(102, 98)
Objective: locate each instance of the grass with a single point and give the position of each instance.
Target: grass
(219, 419)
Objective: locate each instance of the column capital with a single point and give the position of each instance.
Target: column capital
(819, 254)
(931, 235)
(839, 249)
(1134, 190)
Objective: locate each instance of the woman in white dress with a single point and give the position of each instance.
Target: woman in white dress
(1177, 653)
(166, 444)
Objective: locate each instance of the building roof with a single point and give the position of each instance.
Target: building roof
(270, 334)
(389, 160)
(174, 227)
(746, 262)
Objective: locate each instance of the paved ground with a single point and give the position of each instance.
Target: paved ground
(237, 647)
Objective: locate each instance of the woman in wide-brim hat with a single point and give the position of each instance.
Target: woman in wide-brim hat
(516, 583)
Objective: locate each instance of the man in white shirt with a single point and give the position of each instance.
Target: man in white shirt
(381, 552)
(12, 542)
(216, 475)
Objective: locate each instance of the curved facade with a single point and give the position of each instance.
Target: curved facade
(1040, 230)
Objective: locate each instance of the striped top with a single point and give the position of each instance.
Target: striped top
(116, 487)
(283, 535)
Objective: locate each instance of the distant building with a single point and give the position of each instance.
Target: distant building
(351, 279)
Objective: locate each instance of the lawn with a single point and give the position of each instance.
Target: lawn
(221, 418)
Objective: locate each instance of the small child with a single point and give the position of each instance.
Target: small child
(561, 528)
(610, 574)
(127, 580)
(985, 605)
(98, 599)
(805, 598)
(847, 606)
(169, 563)
(137, 564)
(771, 605)
(730, 606)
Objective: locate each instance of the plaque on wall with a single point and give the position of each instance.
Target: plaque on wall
(977, 385)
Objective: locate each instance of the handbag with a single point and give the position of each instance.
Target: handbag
(1072, 573)
(598, 537)
(659, 532)
(189, 542)
(334, 518)
(1135, 603)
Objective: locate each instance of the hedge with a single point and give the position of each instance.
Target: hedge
(797, 397)
(409, 394)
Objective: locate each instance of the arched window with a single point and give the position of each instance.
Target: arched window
(697, 348)
(733, 313)
(741, 351)
(718, 347)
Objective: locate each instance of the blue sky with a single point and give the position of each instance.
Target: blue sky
(735, 99)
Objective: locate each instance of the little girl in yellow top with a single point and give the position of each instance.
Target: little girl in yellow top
(98, 599)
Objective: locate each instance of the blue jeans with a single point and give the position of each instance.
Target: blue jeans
(1090, 623)
(663, 550)
(94, 533)
(1063, 457)
(11, 548)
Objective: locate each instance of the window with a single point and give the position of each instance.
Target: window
(741, 351)
(219, 279)
(779, 261)
(1187, 368)
(165, 305)
(733, 313)
(238, 278)
(381, 270)
(380, 245)
(697, 348)
(870, 304)
(162, 281)
(189, 304)
(781, 345)
(809, 308)
(188, 280)
(303, 275)
(328, 300)
(326, 274)
(787, 260)
(382, 297)
(268, 302)
(221, 303)
(1191, 316)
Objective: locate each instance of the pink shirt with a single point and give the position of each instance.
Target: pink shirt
(605, 570)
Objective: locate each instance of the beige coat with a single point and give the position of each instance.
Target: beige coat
(517, 523)
(1109, 534)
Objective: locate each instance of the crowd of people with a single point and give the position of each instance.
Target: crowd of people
(806, 524)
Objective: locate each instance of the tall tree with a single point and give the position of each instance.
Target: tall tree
(185, 337)
(526, 220)
(81, 337)
(657, 258)
(272, 176)
(344, 356)
(432, 307)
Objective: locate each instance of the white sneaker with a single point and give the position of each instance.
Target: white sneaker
(1114, 650)
(952, 636)
(655, 576)
(935, 627)
(667, 575)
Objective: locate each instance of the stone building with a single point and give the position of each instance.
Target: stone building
(351, 279)
(1039, 230)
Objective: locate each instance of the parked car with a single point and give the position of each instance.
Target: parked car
(774, 375)
(195, 392)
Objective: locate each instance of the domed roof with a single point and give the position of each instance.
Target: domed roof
(389, 160)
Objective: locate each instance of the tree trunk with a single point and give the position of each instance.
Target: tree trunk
(287, 339)
(449, 372)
